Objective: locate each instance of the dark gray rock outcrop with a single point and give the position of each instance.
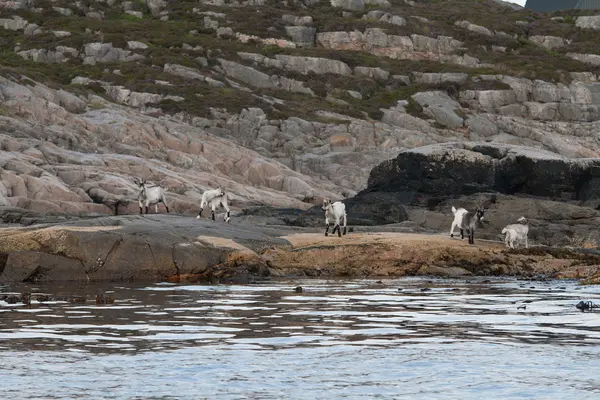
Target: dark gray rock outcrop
(455, 169)
(560, 196)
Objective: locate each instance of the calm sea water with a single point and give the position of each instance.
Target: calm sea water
(414, 339)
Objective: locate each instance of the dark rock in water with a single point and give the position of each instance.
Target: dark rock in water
(103, 299)
(26, 298)
(298, 289)
(585, 306)
(425, 290)
(77, 299)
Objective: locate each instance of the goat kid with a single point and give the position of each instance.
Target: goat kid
(516, 233)
(336, 212)
(458, 214)
(215, 198)
(150, 194)
(469, 222)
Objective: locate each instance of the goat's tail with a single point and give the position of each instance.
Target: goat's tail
(453, 210)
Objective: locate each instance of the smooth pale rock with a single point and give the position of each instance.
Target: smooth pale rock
(440, 107)
(592, 59)
(351, 5)
(134, 45)
(303, 36)
(588, 22)
(548, 42)
(295, 20)
(474, 28)
(156, 6)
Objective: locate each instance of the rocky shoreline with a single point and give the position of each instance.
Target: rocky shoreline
(182, 249)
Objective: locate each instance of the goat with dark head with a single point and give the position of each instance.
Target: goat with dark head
(150, 194)
(470, 221)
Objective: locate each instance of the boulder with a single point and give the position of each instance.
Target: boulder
(303, 36)
(588, 22)
(439, 106)
(592, 59)
(318, 65)
(548, 42)
(351, 5)
(474, 28)
(377, 73)
(156, 6)
(454, 169)
(295, 20)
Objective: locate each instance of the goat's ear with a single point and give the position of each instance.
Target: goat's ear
(136, 181)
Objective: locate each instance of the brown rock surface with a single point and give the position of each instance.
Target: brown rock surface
(179, 249)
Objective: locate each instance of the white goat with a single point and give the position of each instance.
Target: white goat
(337, 212)
(150, 194)
(215, 198)
(469, 222)
(516, 233)
(458, 215)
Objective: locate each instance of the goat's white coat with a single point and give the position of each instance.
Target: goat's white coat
(336, 212)
(150, 194)
(215, 198)
(515, 233)
(458, 216)
(469, 222)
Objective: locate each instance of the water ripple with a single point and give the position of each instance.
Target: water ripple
(337, 339)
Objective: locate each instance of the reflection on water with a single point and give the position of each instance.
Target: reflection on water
(338, 339)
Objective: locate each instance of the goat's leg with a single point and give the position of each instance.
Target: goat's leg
(339, 229)
(452, 229)
(462, 234)
(472, 236)
(345, 222)
(227, 217)
(156, 208)
(141, 209)
(335, 226)
(200, 212)
(147, 205)
(326, 226)
(213, 211)
(526, 243)
(164, 201)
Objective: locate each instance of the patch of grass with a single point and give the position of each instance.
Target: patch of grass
(96, 105)
(413, 108)
(583, 241)
(125, 17)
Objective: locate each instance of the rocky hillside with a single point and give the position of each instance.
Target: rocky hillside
(280, 102)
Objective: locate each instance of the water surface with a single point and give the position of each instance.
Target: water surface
(409, 338)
